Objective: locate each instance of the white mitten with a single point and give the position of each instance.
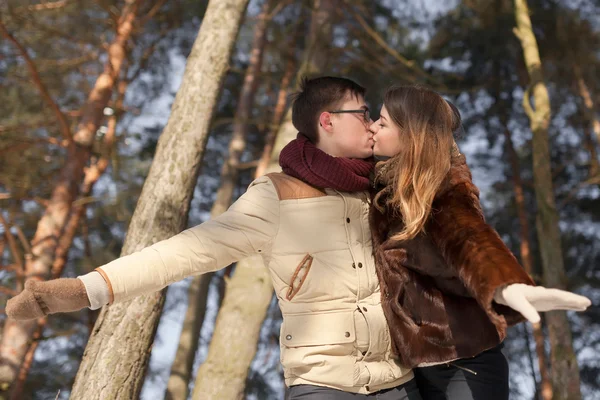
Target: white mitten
(529, 300)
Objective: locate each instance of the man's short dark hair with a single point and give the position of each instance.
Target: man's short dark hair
(317, 95)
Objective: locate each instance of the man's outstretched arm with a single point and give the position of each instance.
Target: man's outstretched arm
(247, 228)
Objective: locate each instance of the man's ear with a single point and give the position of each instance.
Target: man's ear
(325, 121)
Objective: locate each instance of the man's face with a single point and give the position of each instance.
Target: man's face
(347, 134)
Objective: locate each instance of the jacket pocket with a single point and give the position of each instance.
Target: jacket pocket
(299, 276)
(319, 347)
(314, 329)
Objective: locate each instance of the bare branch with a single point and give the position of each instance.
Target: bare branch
(12, 244)
(62, 120)
(18, 147)
(146, 56)
(247, 165)
(150, 14)
(8, 291)
(10, 267)
(517, 33)
(48, 6)
(23, 240)
(380, 41)
(110, 11)
(73, 62)
(594, 180)
(23, 127)
(527, 104)
(278, 8)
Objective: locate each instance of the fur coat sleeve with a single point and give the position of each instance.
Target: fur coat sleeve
(470, 246)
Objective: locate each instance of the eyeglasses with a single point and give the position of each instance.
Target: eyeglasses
(364, 111)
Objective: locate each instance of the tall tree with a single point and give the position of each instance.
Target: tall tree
(66, 41)
(167, 193)
(249, 292)
(504, 103)
(181, 370)
(56, 227)
(545, 385)
(565, 371)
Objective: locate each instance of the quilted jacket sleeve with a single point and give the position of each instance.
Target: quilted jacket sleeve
(248, 227)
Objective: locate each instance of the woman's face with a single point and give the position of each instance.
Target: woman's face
(386, 135)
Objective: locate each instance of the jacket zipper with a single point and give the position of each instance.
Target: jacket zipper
(463, 368)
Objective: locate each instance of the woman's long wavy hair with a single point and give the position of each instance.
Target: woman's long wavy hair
(427, 123)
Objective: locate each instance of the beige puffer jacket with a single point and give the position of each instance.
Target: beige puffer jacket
(317, 246)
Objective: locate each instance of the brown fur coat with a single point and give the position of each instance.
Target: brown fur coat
(437, 289)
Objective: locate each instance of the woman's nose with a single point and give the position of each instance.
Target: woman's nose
(373, 127)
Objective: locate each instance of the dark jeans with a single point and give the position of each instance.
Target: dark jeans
(408, 391)
(483, 377)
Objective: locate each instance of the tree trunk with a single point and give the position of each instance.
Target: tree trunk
(116, 357)
(590, 146)
(249, 292)
(223, 374)
(280, 104)
(545, 386)
(594, 123)
(265, 159)
(181, 370)
(588, 102)
(54, 233)
(565, 371)
(92, 174)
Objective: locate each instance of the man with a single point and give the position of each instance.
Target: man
(310, 225)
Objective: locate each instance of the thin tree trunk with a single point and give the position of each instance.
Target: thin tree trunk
(280, 104)
(181, 370)
(588, 101)
(249, 292)
(590, 115)
(223, 374)
(527, 260)
(50, 244)
(565, 371)
(114, 365)
(260, 169)
(590, 146)
(536, 394)
(92, 174)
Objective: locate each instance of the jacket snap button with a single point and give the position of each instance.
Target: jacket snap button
(353, 265)
(348, 220)
(367, 388)
(347, 334)
(365, 309)
(289, 337)
(359, 265)
(364, 353)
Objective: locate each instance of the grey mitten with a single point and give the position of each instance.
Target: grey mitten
(42, 298)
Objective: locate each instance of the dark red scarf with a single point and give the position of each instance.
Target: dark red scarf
(303, 160)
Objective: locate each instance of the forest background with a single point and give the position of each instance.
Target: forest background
(87, 88)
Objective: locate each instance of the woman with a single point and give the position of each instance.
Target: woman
(446, 276)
